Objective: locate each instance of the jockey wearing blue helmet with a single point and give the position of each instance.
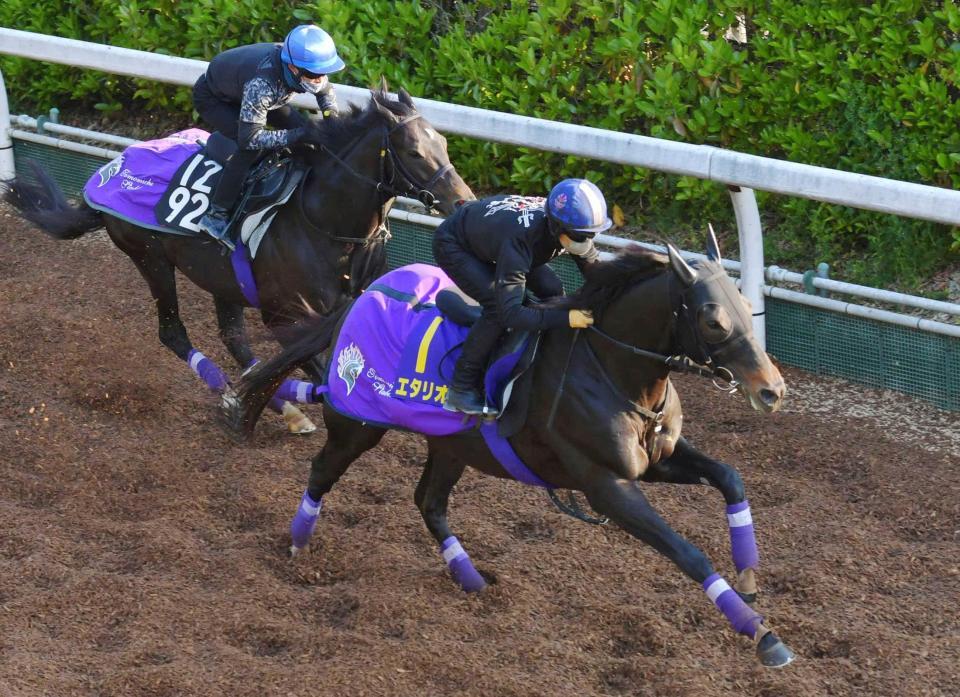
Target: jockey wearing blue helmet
(497, 248)
(311, 55)
(246, 89)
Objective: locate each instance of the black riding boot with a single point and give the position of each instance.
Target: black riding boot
(215, 222)
(466, 393)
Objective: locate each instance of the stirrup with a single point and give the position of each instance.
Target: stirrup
(219, 235)
(225, 241)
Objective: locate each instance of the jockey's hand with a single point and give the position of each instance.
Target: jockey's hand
(580, 319)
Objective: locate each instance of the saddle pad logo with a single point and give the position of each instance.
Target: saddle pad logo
(110, 170)
(349, 366)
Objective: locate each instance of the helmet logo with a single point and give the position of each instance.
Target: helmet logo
(560, 201)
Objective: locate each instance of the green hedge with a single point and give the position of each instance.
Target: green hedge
(859, 86)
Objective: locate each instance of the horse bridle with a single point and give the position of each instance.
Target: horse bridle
(704, 364)
(721, 377)
(384, 186)
(421, 192)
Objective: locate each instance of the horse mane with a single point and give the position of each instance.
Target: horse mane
(334, 133)
(608, 280)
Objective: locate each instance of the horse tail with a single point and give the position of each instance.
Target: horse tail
(44, 204)
(256, 388)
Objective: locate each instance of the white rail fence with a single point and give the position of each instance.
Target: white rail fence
(739, 172)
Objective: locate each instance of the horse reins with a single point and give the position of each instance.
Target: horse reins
(419, 191)
(681, 363)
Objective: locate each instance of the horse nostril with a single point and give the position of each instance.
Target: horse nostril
(769, 397)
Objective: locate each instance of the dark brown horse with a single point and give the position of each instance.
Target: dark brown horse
(603, 418)
(325, 244)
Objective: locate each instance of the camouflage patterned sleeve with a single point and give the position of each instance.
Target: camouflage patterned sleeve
(258, 96)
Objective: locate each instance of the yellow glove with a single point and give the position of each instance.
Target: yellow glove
(580, 319)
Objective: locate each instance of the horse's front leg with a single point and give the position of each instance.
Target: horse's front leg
(234, 336)
(233, 331)
(687, 465)
(624, 503)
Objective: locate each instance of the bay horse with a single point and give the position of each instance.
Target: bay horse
(325, 244)
(603, 417)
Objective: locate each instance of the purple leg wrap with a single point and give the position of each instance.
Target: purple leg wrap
(461, 568)
(296, 391)
(303, 523)
(208, 371)
(741, 616)
(289, 391)
(743, 543)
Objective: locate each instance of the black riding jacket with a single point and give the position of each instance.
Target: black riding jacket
(255, 78)
(512, 232)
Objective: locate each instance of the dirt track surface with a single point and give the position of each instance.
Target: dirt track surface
(143, 553)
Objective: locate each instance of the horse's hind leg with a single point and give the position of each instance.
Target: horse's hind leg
(624, 503)
(346, 441)
(158, 272)
(433, 492)
(687, 465)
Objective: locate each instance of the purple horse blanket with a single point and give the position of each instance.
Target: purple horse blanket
(396, 353)
(131, 185)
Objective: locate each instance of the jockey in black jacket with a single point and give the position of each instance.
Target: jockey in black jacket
(247, 88)
(496, 248)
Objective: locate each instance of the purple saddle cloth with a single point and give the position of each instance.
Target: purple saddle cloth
(396, 352)
(131, 185)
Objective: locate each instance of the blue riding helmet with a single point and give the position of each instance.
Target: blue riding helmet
(310, 48)
(578, 206)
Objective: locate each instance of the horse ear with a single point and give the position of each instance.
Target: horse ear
(383, 84)
(384, 111)
(713, 249)
(405, 98)
(686, 273)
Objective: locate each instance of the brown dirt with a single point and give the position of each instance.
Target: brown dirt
(142, 553)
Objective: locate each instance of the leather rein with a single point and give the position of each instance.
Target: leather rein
(383, 185)
(682, 363)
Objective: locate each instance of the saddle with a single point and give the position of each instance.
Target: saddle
(270, 183)
(511, 394)
(396, 349)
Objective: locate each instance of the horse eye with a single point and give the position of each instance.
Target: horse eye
(416, 154)
(715, 322)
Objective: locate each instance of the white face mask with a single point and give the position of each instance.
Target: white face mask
(575, 248)
(312, 86)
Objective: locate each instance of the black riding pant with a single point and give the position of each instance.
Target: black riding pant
(225, 117)
(477, 279)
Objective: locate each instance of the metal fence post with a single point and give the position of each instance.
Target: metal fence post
(7, 169)
(751, 256)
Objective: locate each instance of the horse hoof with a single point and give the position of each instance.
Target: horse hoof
(294, 551)
(746, 586)
(296, 421)
(302, 428)
(773, 653)
(228, 399)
